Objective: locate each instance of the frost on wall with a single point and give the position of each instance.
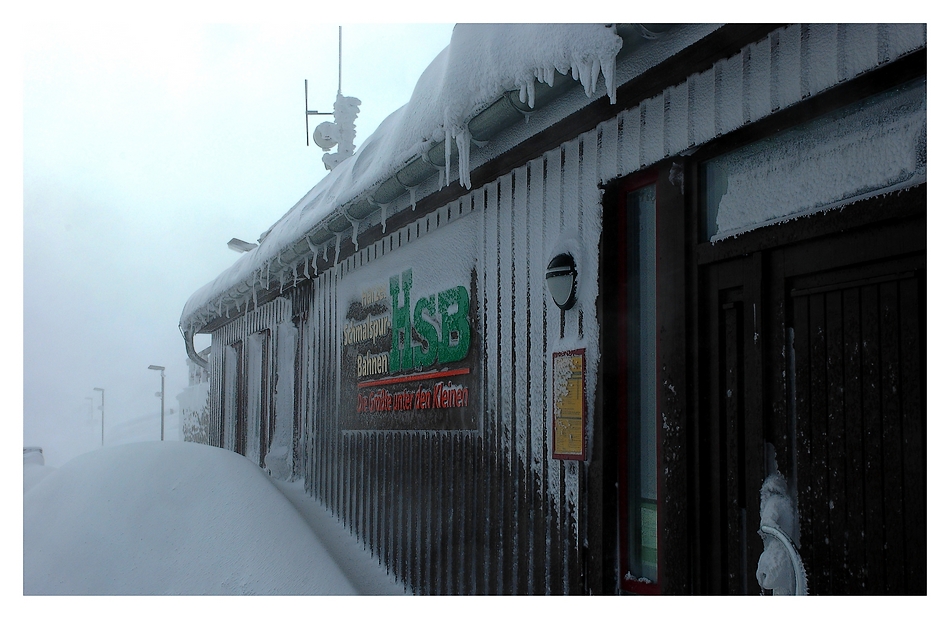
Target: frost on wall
(279, 458)
(254, 348)
(195, 405)
(868, 148)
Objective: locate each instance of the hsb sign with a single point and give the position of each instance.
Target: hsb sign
(445, 344)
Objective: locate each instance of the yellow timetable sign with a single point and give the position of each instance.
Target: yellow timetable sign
(569, 406)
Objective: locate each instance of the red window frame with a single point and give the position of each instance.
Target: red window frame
(636, 182)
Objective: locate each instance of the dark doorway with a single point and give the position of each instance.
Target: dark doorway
(811, 346)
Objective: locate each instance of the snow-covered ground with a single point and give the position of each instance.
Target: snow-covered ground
(181, 518)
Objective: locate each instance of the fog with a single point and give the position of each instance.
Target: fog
(145, 150)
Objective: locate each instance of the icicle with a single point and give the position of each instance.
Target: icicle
(356, 229)
(254, 295)
(412, 197)
(313, 261)
(610, 70)
(336, 258)
(464, 143)
(325, 245)
(448, 155)
(531, 94)
(306, 269)
(523, 92)
(585, 70)
(594, 74)
(282, 282)
(382, 215)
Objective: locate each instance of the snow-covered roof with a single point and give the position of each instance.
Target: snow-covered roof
(480, 64)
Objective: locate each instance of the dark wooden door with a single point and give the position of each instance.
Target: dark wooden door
(811, 340)
(730, 436)
(858, 394)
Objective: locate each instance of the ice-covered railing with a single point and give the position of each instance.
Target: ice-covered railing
(481, 64)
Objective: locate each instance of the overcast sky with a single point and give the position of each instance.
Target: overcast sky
(144, 151)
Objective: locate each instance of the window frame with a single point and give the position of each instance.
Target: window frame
(620, 391)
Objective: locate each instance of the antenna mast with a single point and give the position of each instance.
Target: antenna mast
(342, 131)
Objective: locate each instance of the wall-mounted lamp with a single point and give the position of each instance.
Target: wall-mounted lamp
(561, 278)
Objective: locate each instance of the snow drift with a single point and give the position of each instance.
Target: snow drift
(34, 467)
(168, 518)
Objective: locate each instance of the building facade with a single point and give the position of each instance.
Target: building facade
(613, 347)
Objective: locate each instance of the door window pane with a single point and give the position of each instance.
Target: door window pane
(641, 455)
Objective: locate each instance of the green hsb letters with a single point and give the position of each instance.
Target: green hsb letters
(430, 346)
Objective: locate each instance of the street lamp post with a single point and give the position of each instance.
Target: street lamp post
(162, 369)
(103, 409)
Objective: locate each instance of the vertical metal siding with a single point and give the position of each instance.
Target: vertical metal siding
(419, 498)
(537, 408)
(266, 317)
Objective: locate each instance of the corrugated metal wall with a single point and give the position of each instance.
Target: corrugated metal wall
(470, 511)
(224, 370)
(490, 511)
